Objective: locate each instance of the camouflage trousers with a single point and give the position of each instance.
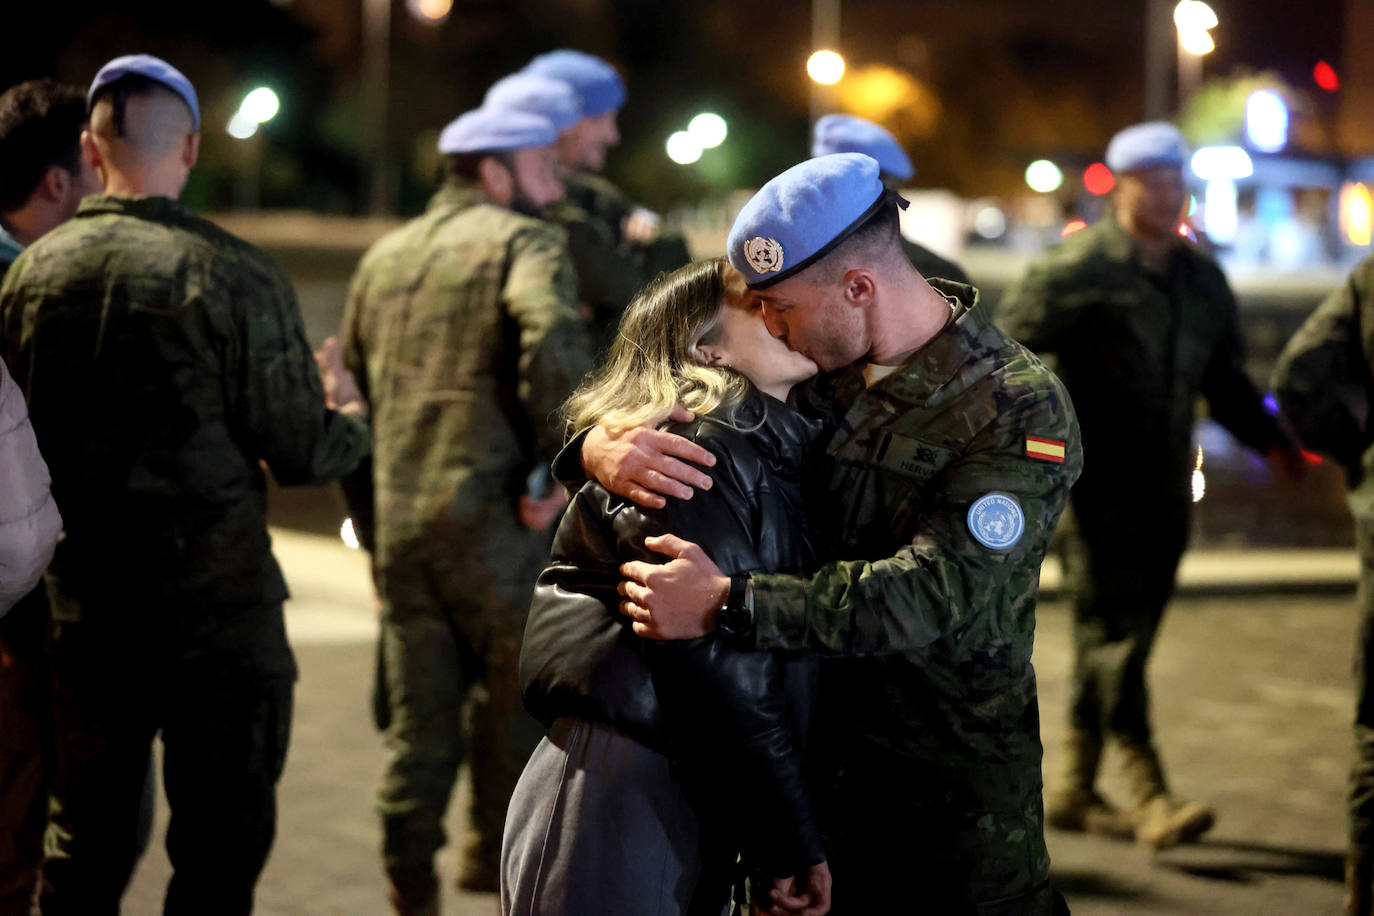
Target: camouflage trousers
(453, 616)
(27, 757)
(1119, 586)
(224, 718)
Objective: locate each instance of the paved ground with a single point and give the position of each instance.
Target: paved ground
(1252, 704)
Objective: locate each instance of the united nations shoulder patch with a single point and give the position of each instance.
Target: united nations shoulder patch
(996, 520)
(764, 255)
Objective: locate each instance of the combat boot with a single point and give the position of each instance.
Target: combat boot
(413, 890)
(1160, 820)
(1072, 804)
(1359, 881)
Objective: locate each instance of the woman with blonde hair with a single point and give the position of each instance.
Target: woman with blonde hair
(665, 762)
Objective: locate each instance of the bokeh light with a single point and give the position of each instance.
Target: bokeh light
(1044, 176)
(709, 130)
(825, 67)
(683, 148)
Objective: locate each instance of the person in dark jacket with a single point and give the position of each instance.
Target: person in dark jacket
(626, 834)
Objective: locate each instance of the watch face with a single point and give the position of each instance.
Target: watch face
(733, 620)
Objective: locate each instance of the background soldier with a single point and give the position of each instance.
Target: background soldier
(842, 133)
(950, 452)
(1141, 323)
(622, 246)
(463, 332)
(42, 179)
(1323, 381)
(164, 360)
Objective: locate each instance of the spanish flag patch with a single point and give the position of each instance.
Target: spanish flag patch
(1045, 449)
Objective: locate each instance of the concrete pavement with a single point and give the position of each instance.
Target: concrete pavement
(1253, 703)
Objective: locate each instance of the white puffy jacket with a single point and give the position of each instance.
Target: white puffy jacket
(29, 523)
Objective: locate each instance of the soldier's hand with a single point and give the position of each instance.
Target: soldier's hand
(341, 391)
(814, 901)
(677, 599)
(539, 514)
(645, 464)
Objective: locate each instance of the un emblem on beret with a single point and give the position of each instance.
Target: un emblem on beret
(764, 255)
(996, 520)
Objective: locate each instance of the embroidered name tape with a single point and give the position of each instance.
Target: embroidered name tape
(1045, 449)
(995, 520)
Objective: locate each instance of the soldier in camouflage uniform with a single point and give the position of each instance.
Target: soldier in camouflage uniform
(616, 244)
(164, 361)
(1324, 384)
(463, 331)
(950, 455)
(42, 179)
(1141, 323)
(842, 133)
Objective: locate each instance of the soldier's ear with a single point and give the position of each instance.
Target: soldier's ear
(497, 180)
(89, 151)
(859, 286)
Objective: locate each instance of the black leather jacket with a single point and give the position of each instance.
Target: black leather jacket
(734, 721)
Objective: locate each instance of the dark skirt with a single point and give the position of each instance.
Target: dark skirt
(598, 824)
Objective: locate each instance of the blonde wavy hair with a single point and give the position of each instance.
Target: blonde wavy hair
(653, 365)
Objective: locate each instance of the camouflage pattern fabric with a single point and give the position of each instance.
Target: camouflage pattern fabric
(607, 273)
(932, 711)
(1135, 349)
(164, 360)
(1324, 382)
(463, 330)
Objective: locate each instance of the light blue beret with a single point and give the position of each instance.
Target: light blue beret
(596, 81)
(842, 133)
(153, 68)
(1150, 145)
(554, 99)
(801, 215)
(496, 130)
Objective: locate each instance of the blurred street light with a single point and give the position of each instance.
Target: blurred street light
(431, 12)
(1044, 176)
(1194, 21)
(825, 67)
(1098, 179)
(1266, 120)
(1357, 214)
(708, 130)
(683, 148)
(1214, 163)
(1324, 75)
(257, 108)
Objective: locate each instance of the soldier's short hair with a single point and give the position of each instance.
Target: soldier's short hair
(465, 166)
(40, 127)
(878, 236)
(133, 85)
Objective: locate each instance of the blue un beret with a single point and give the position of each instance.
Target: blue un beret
(1150, 145)
(596, 81)
(802, 214)
(842, 133)
(496, 130)
(554, 99)
(153, 68)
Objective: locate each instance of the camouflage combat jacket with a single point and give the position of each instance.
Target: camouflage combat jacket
(936, 717)
(1325, 386)
(163, 360)
(1135, 351)
(463, 331)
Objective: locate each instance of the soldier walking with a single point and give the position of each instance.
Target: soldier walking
(1140, 323)
(1323, 382)
(462, 329)
(164, 361)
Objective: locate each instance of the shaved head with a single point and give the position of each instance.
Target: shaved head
(143, 134)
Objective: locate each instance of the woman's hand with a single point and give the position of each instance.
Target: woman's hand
(642, 463)
(814, 901)
(538, 514)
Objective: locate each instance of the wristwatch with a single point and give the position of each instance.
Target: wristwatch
(736, 616)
